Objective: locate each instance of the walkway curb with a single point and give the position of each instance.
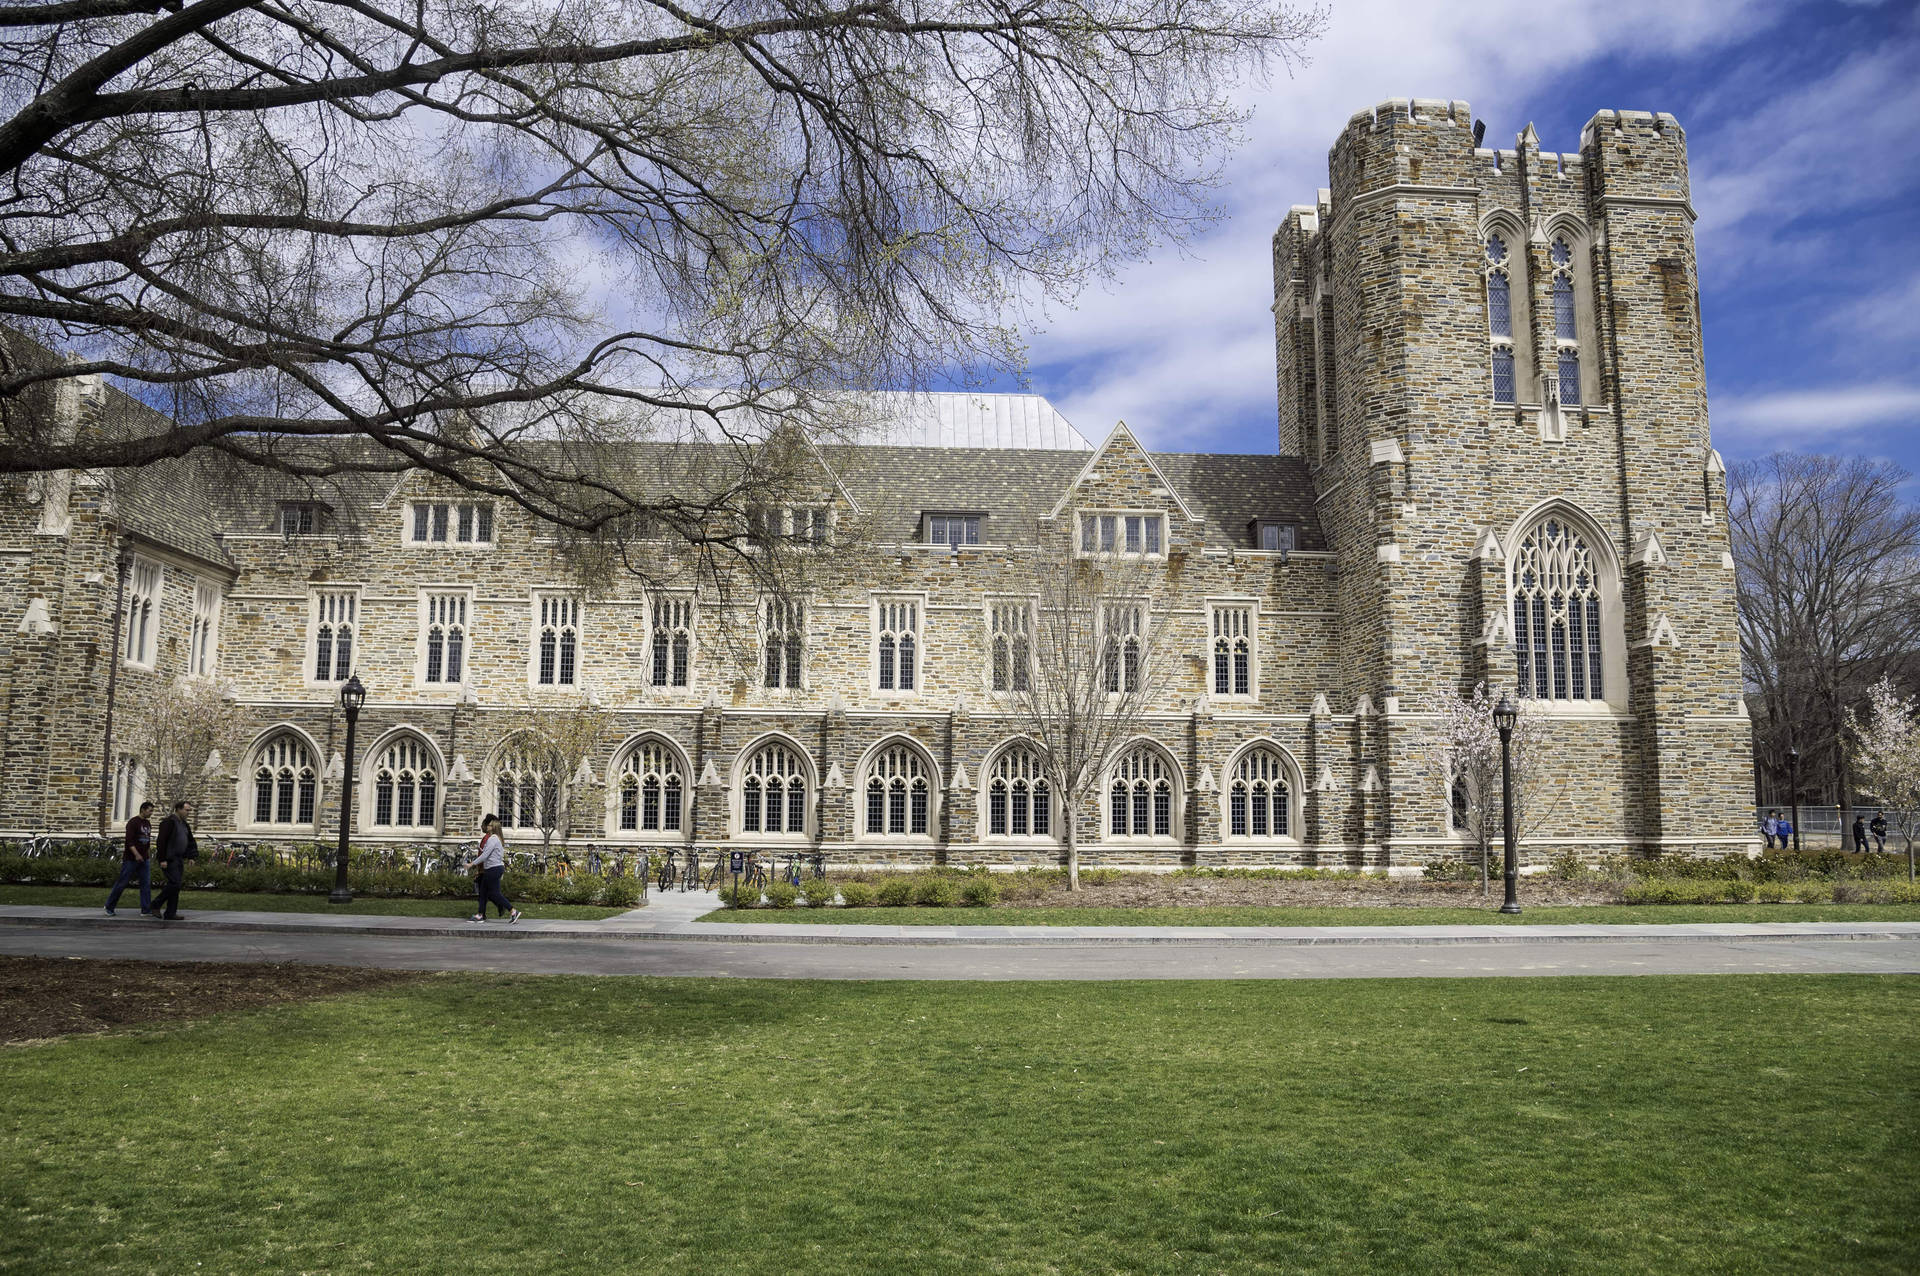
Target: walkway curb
(678, 930)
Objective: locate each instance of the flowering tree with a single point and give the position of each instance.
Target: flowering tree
(1471, 753)
(180, 733)
(1886, 758)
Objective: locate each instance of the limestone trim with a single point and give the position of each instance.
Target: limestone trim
(1399, 190)
(1093, 465)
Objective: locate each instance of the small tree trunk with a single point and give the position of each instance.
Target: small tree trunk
(1073, 854)
(1486, 883)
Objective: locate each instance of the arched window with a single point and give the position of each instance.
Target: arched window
(1506, 315)
(1259, 798)
(898, 795)
(651, 790)
(1566, 320)
(1122, 626)
(773, 792)
(1140, 795)
(557, 649)
(1019, 800)
(1557, 611)
(284, 781)
(528, 791)
(406, 786)
(1459, 806)
(1011, 646)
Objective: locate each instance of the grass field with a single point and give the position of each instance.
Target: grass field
(263, 902)
(528, 1125)
(1342, 915)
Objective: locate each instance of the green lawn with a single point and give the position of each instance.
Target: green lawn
(1255, 915)
(261, 902)
(531, 1125)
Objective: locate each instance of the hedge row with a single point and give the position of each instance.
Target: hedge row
(1684, 890)
(929, 889)
(390, 883)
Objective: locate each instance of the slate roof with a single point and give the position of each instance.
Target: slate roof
(1015, 487)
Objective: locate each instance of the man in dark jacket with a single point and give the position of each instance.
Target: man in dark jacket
(1860, 834)
(1879, 827)
(136, 859)
(177, 845)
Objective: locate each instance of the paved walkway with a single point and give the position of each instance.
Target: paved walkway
(664, 939)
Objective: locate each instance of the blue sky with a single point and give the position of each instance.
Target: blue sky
(1803, 129)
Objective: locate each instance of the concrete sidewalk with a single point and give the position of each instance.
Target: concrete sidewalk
(671, 917)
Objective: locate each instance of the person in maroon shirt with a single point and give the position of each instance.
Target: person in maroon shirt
(136, 857)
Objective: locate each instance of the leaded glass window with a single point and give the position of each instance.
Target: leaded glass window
(405, 785)
(284, 782)
(1556, 615)
(1140, 795)
(773, 792)
(1258, 796)
(1019, 801)
(898, 794)
(652, 789)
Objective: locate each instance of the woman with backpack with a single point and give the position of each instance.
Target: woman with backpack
(490, 863)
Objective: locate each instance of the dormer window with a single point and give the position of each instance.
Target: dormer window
(302, 518)
(1271, 535)
(1122, 534)
(953, 529)
(451, 522)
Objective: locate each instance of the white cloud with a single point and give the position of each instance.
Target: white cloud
(1803, 415)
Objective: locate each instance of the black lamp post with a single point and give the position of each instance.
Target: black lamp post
(352, 696)
(1504, 718)
(1793, 779)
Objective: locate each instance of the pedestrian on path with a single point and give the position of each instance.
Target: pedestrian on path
(1860, 834)
(491, 865)
(177, 846)
(1770, 827)
(1784, 832)
(1879, 827)
(135, 861)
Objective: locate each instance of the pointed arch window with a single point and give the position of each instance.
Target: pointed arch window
(773, 792)
(1259, 797)
(896, 645)
(1233, 637)
(336, 619)
(285, 784)
(1141, 795)
(1010, 646)
(528, 791)
(1506, 315)
(1123, 628)
(1557, 611)
(1566, 320)
(652, 789)
(672, 653)
(1019, 799)
(406, 786)
(444, 638)
(898, 795)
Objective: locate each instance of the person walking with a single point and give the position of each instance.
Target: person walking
(491, 862)
(1784, 831)
(1879, 827)
(177, 845)
(1770, 827)
(1860, 834)
(135, 861)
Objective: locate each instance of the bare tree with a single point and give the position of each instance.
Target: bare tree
(1470, 753)
(491, 238)
(1100, 658)
(182, 733)
(1827, 557)
(539, 773)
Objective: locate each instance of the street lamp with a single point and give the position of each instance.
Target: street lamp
(1504, 717)
(1793, 779)
(352, 696)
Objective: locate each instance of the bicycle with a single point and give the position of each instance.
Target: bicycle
(817, 863)
(691, 881)
(715, 873)
(756, 874)
(669, 867)
(790, 871)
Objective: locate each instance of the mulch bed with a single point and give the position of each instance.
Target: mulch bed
(43, 997)
(1160, 890)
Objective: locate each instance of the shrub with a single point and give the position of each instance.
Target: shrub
(818, 892)
(747, 896)
(979, 891)
(781, 894)
(620, 892)
(1447, 869)
(1688, 890)
(857, 894)
(936, 892)
(1568, 867)
(896, 892)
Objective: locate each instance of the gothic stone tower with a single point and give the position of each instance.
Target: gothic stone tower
(1491, 360)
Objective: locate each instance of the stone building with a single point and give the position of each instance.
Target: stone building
(1492, 465)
